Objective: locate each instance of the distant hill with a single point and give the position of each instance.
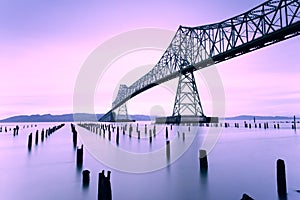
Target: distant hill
(251, 117)
(91, 117)
(64, 118)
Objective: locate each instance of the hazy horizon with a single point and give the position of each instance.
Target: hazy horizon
(29, 115)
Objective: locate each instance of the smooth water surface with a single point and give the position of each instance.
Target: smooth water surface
(242, 161)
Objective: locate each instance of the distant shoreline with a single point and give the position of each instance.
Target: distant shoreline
(91, 117)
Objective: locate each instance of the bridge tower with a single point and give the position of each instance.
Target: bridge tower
(187, 100)
(122, 114)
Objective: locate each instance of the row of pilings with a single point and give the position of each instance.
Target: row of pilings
(104, 184)
(44, 135)
(203, 157)
(15, 130)
(280, 175)
(264, 125)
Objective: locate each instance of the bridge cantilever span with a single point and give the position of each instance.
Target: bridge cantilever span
(194, 48)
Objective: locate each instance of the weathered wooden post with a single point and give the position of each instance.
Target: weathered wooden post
(168, 150)
(85, 177)
(295, 127)
(150, 136)
(246, 197)
(104, 186)
(117, 136)
(79, 159)
(30, 141)
(203, 160)
(281, 178)
(36, 137)
(42, 135)
(74, 138)
(17, 130)
(167, 134)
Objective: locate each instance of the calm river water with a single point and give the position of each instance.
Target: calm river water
(242, 160)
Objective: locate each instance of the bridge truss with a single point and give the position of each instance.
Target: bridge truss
(194, 48)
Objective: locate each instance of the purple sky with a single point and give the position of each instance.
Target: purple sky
(45, 43)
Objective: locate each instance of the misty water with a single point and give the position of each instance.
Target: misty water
(243, 160)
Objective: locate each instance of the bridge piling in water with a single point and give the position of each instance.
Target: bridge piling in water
(117, 137)
(79, 156)
(203, 160)
(74, 135)
(29, 141)
(36, 137)
(281, 178)
(167, 134)
(85, 178)
(150, 136)
(104, 186)
(42, 135)
(168, 152)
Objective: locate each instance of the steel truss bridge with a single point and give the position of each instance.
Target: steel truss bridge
(194, 48)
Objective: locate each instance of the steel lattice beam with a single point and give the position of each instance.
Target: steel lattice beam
(187, 100)
(194, 48)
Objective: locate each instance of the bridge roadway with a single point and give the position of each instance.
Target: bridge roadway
(194, 48)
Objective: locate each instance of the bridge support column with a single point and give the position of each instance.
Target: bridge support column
(122, 114)
(187, 100)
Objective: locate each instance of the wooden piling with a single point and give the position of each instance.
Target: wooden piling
(85, 177)
(203, 160)
(74, 138)
(104, 186)
(168, 152)
(167, 134)
(150, 136)
(281, 178)
(117, 136)
(30, 141)
(36, 137)
(79, 159)
(42, 135)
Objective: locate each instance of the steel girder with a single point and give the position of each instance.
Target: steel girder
(193, 48)
(187, 100)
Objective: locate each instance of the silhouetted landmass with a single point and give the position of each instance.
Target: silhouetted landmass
(251, 117)
(91, 117)
(64, 118)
